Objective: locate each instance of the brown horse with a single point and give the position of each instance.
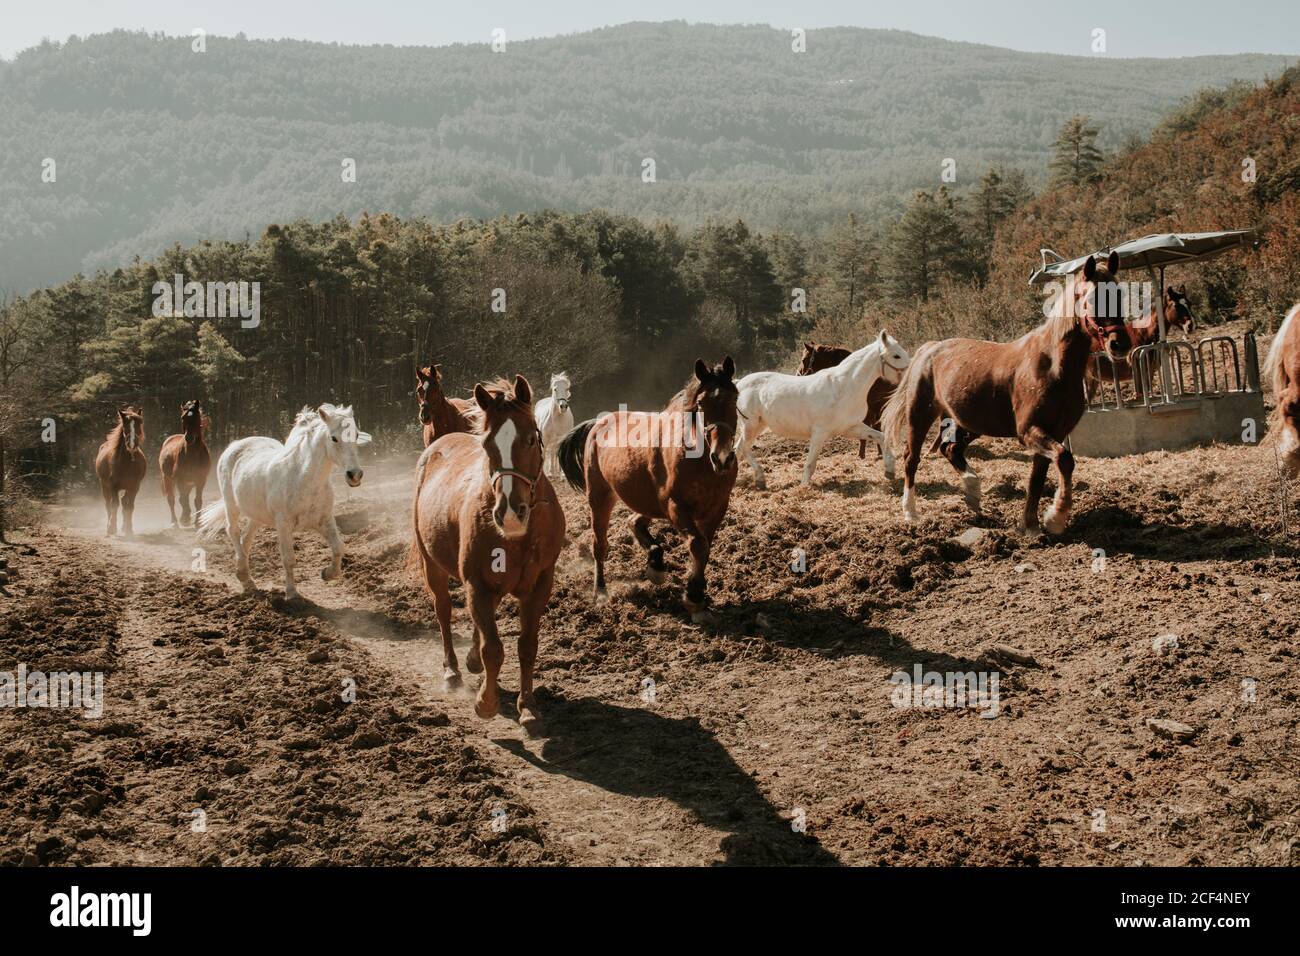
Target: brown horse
(1144, 331)
(1030, 389)
(485, 513)
(184, 462)
(439, 414)
(120, 467)
(655, 463)
(817, 357)
(1282, 368)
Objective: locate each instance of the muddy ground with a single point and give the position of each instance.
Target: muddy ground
(770, 736)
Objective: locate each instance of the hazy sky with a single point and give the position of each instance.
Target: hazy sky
(1184, 28)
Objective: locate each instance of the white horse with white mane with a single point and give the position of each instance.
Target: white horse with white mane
(554, 421)
(815, 407)
(286, 487)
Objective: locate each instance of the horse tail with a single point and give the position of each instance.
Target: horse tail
(573, 452)
(898, 410)
(211, 520)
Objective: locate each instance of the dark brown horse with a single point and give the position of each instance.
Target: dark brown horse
(486, 514)
(1030, 389)
(678, 465)
(184, 462)
(439, 414)
(817, 357)
(120, 467)
(1143, 331)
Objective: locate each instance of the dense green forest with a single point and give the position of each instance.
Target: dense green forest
(154, 143)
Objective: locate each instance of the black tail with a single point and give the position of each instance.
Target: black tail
(573, 449)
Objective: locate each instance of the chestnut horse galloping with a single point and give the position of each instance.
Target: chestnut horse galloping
(439, 414)
(1143, 331)
(656, 464)
(1031, 389)
(817, 357)
(120, 467)
(184, 462)
(485, 513)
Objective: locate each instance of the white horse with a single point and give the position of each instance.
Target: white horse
(817, 406)
(554, 421)
(286, 487)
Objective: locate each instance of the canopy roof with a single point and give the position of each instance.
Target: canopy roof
(1162, 249)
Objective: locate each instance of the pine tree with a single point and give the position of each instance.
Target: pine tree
(1076, 159)
(925, 245)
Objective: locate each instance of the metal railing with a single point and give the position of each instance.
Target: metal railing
(1166, 374)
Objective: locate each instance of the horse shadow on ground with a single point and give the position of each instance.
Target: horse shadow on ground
(638, 753)
(1117, 530)
(796, 625)
(355, 622)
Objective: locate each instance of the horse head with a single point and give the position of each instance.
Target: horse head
(192, 421)
(345, 439)
(1178, 312)
(131, 421)
(807, 362)
(894, 359)
(1099, 304)
(711, 400)
(560, 389)
(514, 451)
(428, 390)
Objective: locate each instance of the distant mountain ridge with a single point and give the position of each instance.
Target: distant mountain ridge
(154, 143)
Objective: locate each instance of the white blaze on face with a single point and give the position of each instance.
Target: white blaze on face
(505, 441)
(130, 443)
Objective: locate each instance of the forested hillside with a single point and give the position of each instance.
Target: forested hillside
(155, 143)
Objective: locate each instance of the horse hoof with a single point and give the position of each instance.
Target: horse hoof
(328, 574)
(1054, 522)
(473, 663)
(601, 596)
(656, 575)
(451, 680)
(529, 722)
(485, 710)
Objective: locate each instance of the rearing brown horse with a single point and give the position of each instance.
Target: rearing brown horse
(120, 467)
(439, 414)
(1031, 389)
(817, 357)
(184, 462)
(656, 464)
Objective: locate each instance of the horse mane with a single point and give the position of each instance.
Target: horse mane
(1063, 320)
(499, 389)
(305, 422)
(685, 399)
(118, 432)
(1273, 361)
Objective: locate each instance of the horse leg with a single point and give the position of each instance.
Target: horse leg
(169, 491)
(186, 518)
(955, 452)
(920, 418)
(243, 547)
(128, 511)
(483, 609)
(863, 432)
(656, 569)
(110, 508)
(815, 442)
(436, 580)
(198, 497)
(330, 530)
(748, 434)
(473, 662)
(284, 531)
(1037, 475)
(601, 499)
(531, 609)
(1058, 513)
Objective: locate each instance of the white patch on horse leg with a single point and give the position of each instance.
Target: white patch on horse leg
(909, 505)
(1055, 519)
(970, 486)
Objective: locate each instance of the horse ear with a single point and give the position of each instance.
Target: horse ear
(437, 373)
(523, 391)
(422, 374)
(1090, 269)
(809, 347)
(729, 367)
(324, 415)
(884, 339)
(701, 370)
(1112, 262)
(483, 397)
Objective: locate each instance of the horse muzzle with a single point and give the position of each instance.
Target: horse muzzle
(512, 522)
(354, 477)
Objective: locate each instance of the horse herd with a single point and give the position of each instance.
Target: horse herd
(485, 512)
